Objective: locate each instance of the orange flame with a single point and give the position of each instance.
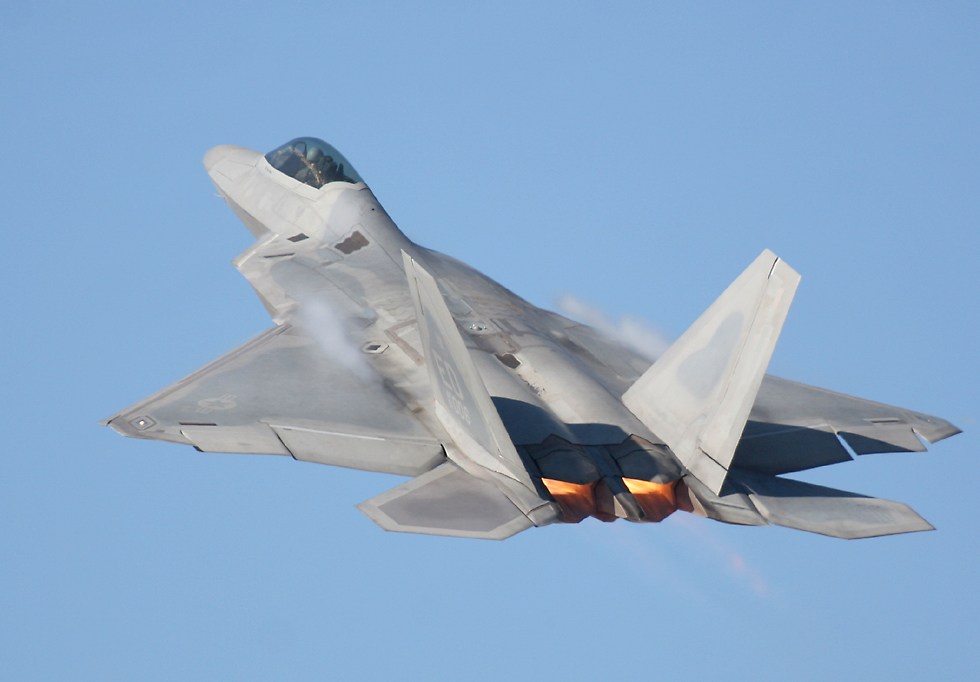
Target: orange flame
(580, 500)
(577, 500)
(657, 500)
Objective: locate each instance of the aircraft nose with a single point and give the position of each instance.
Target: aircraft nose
(213, 156)
(227, 152)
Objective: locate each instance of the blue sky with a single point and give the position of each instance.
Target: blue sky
(633, 155)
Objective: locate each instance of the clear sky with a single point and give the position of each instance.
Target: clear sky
(633, 155)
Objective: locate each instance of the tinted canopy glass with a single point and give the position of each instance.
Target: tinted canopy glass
(312, 161)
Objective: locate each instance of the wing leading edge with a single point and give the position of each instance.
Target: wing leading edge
(279, 394)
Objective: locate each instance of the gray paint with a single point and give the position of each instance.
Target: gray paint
(347, 377)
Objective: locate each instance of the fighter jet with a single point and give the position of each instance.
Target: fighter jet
(387, 356)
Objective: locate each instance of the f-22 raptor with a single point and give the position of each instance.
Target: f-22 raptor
(387, 356)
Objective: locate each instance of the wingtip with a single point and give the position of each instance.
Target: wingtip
(934, 429)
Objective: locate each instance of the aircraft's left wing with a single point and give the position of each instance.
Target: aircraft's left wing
(794, 427)
(281, 394)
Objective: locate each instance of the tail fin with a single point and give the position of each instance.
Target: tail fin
(697, 396)
(463, 404)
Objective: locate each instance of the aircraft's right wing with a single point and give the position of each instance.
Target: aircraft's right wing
(283, 394)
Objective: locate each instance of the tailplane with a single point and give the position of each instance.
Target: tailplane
(757, 499)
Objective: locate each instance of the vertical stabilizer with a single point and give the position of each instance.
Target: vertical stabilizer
(463, 403)
(697, 396)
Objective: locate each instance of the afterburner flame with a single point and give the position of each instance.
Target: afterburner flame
(657, 500)
(580, 500)
(577, 500)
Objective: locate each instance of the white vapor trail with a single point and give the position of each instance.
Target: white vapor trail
(329, 330)
(631, 331)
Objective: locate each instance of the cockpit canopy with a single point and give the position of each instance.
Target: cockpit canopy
(312, 161)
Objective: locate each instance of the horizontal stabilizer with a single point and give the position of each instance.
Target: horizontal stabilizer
(697, 396)
(447, 501)
(827, 511)
(732, 507)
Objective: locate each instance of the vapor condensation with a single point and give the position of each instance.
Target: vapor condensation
(328, 329)
(630, 331)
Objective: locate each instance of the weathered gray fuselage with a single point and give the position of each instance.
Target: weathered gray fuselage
(559, 402)
(387, 356)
